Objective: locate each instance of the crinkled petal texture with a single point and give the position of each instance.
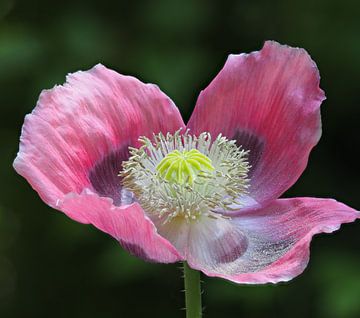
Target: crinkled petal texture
(75, 126)
(265, 245)
(128, 224)
(269, 102)
(75, 141)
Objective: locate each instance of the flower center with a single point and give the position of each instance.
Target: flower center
(186, 176)
(183, 166)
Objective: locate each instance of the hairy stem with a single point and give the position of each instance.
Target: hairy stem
(192, 292)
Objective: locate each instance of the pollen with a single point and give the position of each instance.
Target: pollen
(186, 176)
(184, 166)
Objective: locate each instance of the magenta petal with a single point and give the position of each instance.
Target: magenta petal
(269, 102)
(128, 224)
(274, 241)
(78, 134)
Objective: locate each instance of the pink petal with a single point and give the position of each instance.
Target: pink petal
(128, 224)
(205, 243)
(78, 134)
(269, 102)
(267, 245)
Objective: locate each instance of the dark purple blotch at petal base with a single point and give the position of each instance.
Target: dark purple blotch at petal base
(105, 179)
(137, 251)
(253, 143)
(235, 247)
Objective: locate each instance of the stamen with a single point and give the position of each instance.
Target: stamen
(187, 176)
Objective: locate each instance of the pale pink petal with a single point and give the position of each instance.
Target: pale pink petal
(206, 242)
(267, 245)
(78, 134)
(128, 224)
(269, 102)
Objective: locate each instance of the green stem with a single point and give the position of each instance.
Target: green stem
(192, 292)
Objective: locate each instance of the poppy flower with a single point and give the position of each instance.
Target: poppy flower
(111, 151)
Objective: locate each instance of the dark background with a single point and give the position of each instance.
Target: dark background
(51, 266)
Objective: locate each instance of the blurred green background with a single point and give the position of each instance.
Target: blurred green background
(51, 266)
